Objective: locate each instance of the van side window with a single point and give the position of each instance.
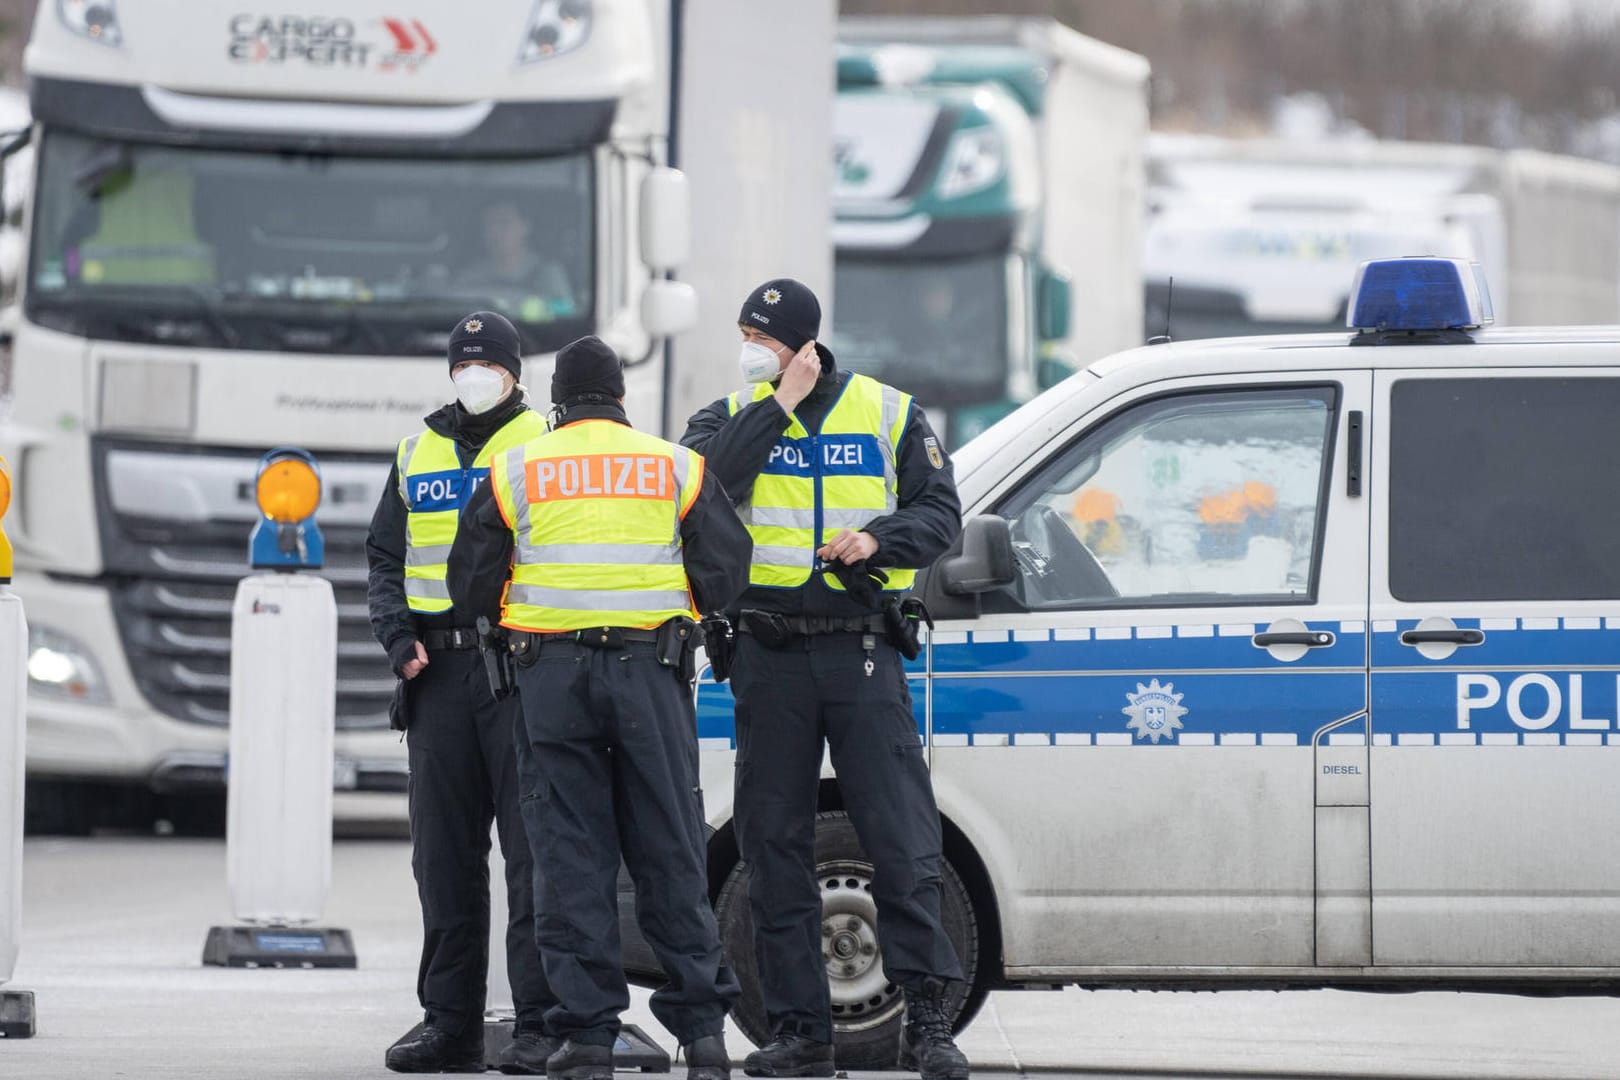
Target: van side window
(1504, 488)
(1204, 498)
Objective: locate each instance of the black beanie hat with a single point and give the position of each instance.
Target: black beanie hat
(785, 309)
(487, 336)
(587, 366)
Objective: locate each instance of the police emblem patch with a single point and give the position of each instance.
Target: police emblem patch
(1155, 711)
(474, 325)
(771, 296)
(935, 458)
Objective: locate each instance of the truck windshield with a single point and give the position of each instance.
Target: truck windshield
(937, 330)
(283, 250)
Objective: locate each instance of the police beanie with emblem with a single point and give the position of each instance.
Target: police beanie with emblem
(785, 309)
(487, 336)
(587, 366)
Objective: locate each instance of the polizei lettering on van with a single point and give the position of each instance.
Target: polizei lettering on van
(1536, 701)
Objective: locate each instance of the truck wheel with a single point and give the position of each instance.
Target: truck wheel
(866, 1006)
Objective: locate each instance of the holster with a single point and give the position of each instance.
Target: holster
(769, 628)
(497, 658)
(677, 646)
(402, 704)
(903, 620)
(721, 645)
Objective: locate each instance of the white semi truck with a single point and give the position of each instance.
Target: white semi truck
(1263, 235)
(249, 228)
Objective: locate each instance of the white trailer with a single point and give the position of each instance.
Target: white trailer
(250, 229)
(1260, 235)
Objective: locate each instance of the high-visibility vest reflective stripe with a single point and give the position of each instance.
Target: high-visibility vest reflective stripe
(435, 487)
(595, 509)
(813, 485)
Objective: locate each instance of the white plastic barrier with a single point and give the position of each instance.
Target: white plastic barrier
(13, 726)
(278, 829)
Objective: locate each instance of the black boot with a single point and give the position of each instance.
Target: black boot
(580, 1061)
(435, 1050)
(527, 1054)
(790, 1055)
(706, 1059)
(925, 1043)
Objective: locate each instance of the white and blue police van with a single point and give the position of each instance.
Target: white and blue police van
(1267, 662)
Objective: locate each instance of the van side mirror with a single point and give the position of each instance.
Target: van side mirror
(984, 562)
(1053, 302)
(666, 219)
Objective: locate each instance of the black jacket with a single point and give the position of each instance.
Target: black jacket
(929, 514)
(395, 626)
(714, 545)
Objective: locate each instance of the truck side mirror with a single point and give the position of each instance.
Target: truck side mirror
(668, 308)
(666, 220)
(1053, 301)
(984, 562)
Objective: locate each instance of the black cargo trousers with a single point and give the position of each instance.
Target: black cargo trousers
(790, 700)
(463, 759)
(610, 766)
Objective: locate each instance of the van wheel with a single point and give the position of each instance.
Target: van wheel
(866, 1006)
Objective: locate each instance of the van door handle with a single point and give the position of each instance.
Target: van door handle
(1313, 639)
(1442, 637)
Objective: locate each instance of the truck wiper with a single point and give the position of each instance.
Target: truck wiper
(94, 174)
(206, 306)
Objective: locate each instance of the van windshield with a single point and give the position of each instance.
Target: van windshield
(283, 250)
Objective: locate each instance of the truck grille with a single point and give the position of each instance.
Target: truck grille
(173, 564)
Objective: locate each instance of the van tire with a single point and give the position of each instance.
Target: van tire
(866, 1010)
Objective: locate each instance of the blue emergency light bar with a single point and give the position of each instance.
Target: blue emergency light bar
(1418, 294)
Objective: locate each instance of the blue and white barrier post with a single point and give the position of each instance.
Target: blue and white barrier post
(278, 824)
(16, 1006)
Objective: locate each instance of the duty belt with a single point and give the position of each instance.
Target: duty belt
(457, 637)
(805, 625)
(597, 637)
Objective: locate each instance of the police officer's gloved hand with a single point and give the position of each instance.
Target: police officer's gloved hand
(401, 651)
(864, 583)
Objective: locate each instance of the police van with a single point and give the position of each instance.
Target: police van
(1267, 662)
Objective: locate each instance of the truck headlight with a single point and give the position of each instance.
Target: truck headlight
(973, 162)
(94, 19)
(61, 667)
(555, 27)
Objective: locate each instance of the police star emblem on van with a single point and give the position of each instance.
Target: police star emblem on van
(1155, 712)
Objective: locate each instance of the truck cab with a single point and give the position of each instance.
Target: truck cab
(974, 161)
(250, 230)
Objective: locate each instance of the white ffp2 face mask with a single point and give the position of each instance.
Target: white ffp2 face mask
(479, 389)
(759, 363)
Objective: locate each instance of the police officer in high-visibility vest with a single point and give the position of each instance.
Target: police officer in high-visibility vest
(597, 545)
(462, 742)
(846, 492)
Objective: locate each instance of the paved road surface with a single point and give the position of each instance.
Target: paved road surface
(114, 927)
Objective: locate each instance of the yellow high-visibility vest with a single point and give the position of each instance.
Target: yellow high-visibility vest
(813, 485)
(595, 509)
(435, 488)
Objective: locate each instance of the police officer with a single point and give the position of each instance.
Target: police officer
(593, 544)
(842, 484)
(461, 741)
